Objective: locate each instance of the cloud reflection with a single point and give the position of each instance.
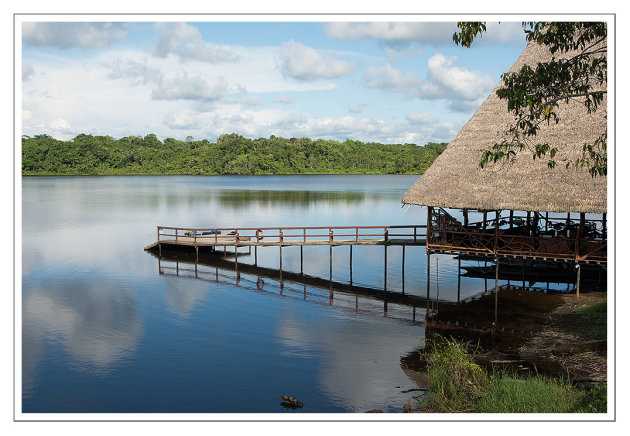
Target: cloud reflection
(359, 359)
(97, 326)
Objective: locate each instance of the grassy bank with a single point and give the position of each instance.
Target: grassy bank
(458, 385)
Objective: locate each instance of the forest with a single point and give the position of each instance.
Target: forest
(230, 154)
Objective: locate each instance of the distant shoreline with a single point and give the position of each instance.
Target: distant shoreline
(232, 154)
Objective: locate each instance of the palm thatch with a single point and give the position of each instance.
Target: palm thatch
(455, 180)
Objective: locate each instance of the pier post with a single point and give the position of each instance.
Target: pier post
(496, 291)
(330, 295)
(236, 258)
(281, 262)
(256, 255)
(459, 275)
(577, 286)
(301, 259)
(350, 266)
(385, 265)
(403, 270)
(197, 252)
(428, 274)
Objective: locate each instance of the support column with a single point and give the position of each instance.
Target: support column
(428, 275)
(330, 295)
(256, 256)
(236, 257)
(459, 275)
(496, 291)
(351, 266)
(577, 286)
(301, 259)
(385, 265)
(403, 270)
(281, 262)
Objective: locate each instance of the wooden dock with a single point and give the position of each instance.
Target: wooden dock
(288, 236)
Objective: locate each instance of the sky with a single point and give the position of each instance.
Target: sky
(373, 81)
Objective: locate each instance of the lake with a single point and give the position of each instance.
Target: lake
(107, 327)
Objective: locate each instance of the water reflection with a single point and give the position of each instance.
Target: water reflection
(96, 325)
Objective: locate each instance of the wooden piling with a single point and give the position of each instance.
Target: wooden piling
(403, 270)
(577, 285)
(496, 291)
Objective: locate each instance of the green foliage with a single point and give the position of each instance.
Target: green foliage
(457, 384)
(534, 93)
(591, 321)
(538, 394)
(456, 381)
(231, 154)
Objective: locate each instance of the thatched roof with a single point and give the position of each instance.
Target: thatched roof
(455, 179)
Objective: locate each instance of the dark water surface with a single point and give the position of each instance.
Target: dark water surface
(106, 328)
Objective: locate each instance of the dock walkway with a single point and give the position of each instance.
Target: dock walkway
(289, 236)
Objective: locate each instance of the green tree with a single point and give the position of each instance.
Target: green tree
(534, 93)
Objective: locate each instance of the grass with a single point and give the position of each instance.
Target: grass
(459, 385)
(590, 321)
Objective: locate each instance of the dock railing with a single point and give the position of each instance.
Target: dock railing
(291, 235)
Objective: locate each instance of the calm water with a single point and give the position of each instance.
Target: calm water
(107, 329)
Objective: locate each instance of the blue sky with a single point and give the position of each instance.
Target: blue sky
(389, 82)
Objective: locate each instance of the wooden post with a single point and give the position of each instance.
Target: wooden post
(236, 257)
(496, 231)
(485, 218)
(403, 270)
(459, 275)
(196, 276)
(546, 222)
(604, 226)
(577, 286)
(465, 217)
(302, 258)
(496, 291)
(350, 266)
(511, 219)
(330, 296)
(281, 262)
(385, 266)
(429, 213)
(197, 252)
(428, 274)
(256, 255)
(529, 224)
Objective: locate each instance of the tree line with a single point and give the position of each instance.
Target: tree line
(230, 154)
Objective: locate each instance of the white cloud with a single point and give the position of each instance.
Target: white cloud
(435, 33)
(59, 125)
(139, 71)
(305, 63)
(191, 87)
(252, 101)
(72, 34)
(448, 80)
(284, 99)
(461, 88)
(26, 115)
(391, 79)
(421, 119)
(181, 121)
(27, 72)
(186, 43)
(431, 32)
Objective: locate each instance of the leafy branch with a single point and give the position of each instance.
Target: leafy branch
(534, 93)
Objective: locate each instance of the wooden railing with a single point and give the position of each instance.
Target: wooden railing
(260, 235)
(447, 234)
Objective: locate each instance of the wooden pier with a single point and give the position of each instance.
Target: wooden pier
(289, 236)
